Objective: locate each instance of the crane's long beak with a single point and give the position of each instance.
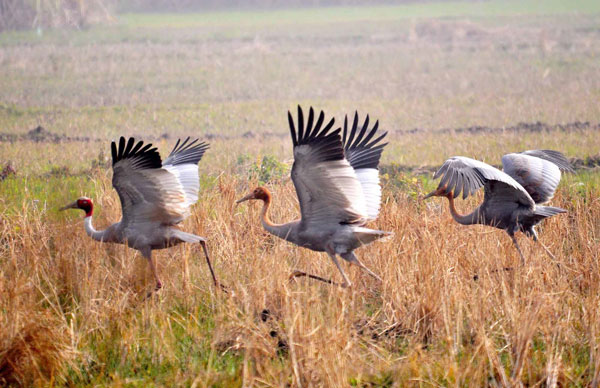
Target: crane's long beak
(69, 206)
(439, 192)
(247, 197)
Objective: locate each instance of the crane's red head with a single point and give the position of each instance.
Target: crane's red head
(83, 203)
(259, 193)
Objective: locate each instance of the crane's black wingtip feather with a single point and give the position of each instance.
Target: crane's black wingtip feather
(292, 129)
(188, 152)
(361, 151)
(327, 145)
(143, 157)
(309, 133)
(113, 152)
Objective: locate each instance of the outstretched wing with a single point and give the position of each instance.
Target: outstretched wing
(148, 192)
(183, 163)
(327, 186)
(555, 157)
(538, 171)
(363, 153)
(466, 175)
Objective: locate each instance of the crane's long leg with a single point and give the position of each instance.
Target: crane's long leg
(212, 272)
(547, 251)
(297, 273)
(351, 257)
(147, 253)
(192, 238)
(331, 254)
(535, 237)
(347, 282)
(514, 239)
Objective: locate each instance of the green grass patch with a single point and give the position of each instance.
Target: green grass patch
(349, 14)
(45, 194)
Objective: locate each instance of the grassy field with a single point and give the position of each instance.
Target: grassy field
(471, 78)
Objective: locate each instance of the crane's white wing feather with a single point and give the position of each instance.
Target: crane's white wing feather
(540, 177)
(555, 157)
(183, 163)
(363, 153)
(369, 181)
(187, 175)
(148, 195)
(329, 192)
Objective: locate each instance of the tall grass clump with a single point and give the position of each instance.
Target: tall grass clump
(35, 348)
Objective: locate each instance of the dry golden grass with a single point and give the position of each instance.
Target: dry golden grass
(428, 323)
(73, 311)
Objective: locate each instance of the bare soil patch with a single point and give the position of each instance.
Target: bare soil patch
(537, 126)
(41, 135)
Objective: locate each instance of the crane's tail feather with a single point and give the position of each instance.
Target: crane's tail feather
(548, 211)
(541, 212)
(188, 237)
(367, 236)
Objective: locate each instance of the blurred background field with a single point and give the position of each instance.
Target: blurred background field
(451, 78)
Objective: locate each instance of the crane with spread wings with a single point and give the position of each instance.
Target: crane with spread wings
(337, 183)
(513, 197)
(155, 197)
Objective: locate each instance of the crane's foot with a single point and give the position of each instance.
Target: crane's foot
(222, 287)
(296, 273)
(156, 289)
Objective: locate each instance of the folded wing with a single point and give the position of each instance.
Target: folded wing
(538, 171)
(363, 152)
(327, 186)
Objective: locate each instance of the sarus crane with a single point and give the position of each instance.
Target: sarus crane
(337, 183)
(155, 197)
(513, 197)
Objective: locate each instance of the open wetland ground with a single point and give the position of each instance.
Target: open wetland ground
(478, 79)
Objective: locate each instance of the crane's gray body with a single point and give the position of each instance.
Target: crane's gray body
(501, 210)
(149, 236)
(342, 238)
(513, 197)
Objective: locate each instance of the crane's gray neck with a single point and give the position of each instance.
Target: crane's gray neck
(93, 233)
(284, 231)
(469, 219)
